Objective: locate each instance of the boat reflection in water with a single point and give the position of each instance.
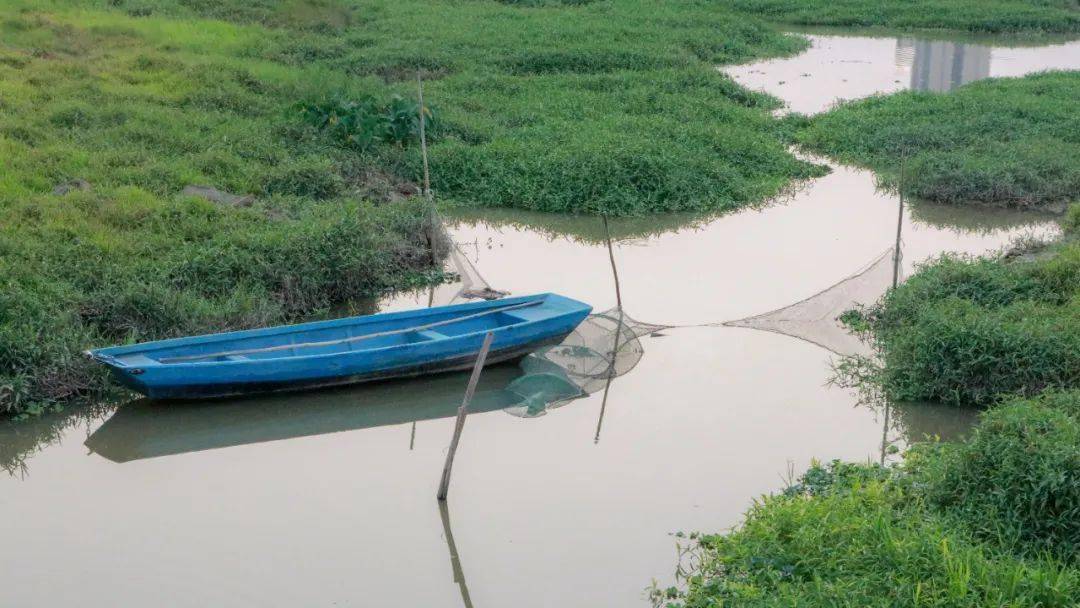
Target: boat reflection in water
(146, 429)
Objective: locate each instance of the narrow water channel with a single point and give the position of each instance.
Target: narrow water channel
(327, 498)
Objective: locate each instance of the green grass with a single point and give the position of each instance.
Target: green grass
(965, 331)
(991, 522)
(139, 108)
(605, 107)
(1000, 142)
(979, 16)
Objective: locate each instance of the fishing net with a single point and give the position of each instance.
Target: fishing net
(815, 318)
(604, 346)
(473, 285)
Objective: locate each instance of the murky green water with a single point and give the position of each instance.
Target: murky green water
(327, 498)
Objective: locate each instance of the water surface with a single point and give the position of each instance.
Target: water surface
(327, 499)
(844, 67)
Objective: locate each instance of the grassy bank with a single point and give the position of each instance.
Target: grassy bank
(999, 142)
(988, 522)
(610, 106)
(979, 16)
(967, 330)
(105, 120)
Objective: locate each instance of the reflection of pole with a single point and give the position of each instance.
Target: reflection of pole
(444, 485)
(412, 435)
(899, 227)
(603, 406)
(455, 561)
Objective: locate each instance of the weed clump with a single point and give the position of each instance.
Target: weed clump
(364, 123)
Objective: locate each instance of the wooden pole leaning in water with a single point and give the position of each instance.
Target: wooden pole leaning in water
(611, 258)
(444, 485)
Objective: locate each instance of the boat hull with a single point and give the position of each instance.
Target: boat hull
(182, 392)
(344, 351)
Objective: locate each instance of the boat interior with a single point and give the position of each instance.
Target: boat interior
(333, 338)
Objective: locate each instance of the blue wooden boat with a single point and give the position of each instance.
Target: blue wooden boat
(342, 351)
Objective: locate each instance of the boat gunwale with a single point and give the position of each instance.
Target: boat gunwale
(108, 355)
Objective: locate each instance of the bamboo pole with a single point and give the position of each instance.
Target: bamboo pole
(611, 257)
(444, 485)
(899, 227)
(423, 136)
(426, 187)
(618, 332)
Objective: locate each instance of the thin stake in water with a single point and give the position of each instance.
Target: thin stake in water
(899, 227)
(444, 485)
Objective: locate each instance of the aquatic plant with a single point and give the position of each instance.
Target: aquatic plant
(1005, 141)
(363, 123)
(607, 107)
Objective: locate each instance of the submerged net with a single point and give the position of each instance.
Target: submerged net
(815, 318)
(604, 346)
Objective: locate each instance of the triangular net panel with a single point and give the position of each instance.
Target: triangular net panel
(815, 318)
(473, 285)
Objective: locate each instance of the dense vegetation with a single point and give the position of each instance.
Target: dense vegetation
(988, 522)
(609, 106)
(119, 115)
(1016, 481)
(980, 16)
(1008, 141)
(968, 330)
